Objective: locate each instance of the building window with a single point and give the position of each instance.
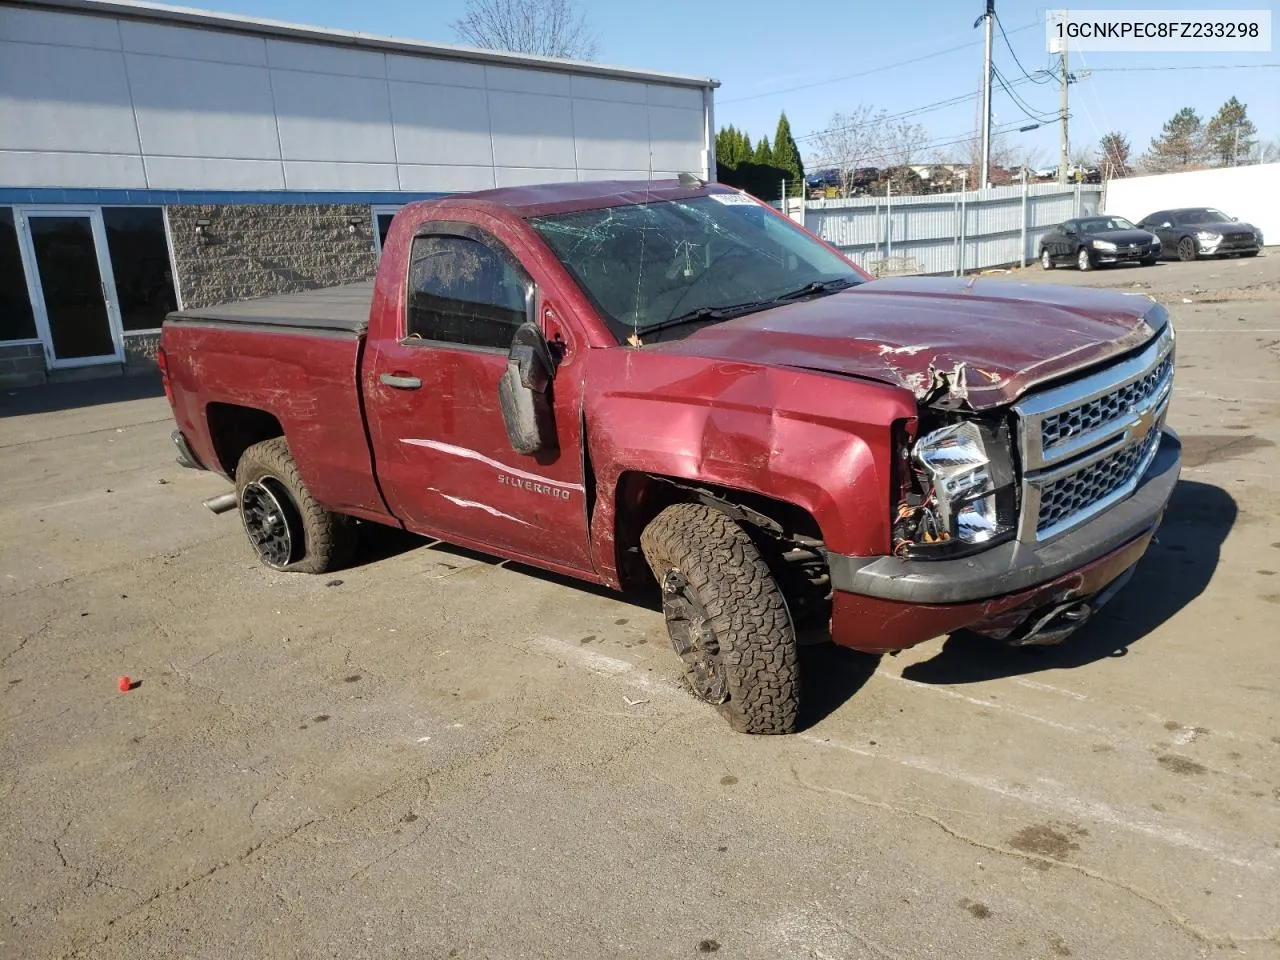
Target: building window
(140, 264)
(382, 217)
(461, 291)
(17, 319)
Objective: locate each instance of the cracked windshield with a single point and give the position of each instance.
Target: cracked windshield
(654, 266)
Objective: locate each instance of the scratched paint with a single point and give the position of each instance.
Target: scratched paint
(474, 505)
(468, 454)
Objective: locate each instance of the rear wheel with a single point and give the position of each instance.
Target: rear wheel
(286, 526)
(1186, 249)
(1046, 261)
(1083, 260)
(726, 617)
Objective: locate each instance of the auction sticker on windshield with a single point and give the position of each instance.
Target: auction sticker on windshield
(733, 199)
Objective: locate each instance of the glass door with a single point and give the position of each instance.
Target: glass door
(71, 286)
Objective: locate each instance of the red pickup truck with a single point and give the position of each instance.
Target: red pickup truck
(669, 383)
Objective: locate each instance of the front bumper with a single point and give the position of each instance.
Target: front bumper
(1224, 246)
(883, 603)
(1133, 254)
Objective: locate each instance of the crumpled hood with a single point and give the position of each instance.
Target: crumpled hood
(989, 341)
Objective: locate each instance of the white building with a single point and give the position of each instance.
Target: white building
(153, 157)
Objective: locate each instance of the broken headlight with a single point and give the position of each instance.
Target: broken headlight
(961, 496)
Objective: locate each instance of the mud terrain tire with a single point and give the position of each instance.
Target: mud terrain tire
(319, 541)
(726, 610)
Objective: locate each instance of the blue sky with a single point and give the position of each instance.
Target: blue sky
(761, 51)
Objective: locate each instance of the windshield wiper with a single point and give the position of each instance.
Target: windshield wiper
(704, 313)
(819, 286)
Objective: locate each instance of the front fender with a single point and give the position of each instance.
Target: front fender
(820, 442)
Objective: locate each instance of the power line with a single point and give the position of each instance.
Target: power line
(1026, 108)
(1029, 76)
(864, 73)
(914, 111)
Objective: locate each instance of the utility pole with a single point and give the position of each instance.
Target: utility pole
(1065, 145)
(985, 176)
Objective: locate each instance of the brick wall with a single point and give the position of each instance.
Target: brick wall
(263, 249)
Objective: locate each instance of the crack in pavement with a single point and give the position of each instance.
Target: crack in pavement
(1183, 923)
(22, 643)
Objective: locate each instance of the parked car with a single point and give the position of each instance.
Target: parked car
(671, 384)
(1090, 242)
(1193, 232)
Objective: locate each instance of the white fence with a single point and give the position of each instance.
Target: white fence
(1251, 193)
(946, 232)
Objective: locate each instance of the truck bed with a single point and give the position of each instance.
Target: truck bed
(342, 309)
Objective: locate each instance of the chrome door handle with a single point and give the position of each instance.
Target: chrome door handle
(400, 383)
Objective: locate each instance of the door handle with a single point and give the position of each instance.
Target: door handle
(399, 382)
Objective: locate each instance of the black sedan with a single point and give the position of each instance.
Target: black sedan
(1194, 232)
(1088, 242)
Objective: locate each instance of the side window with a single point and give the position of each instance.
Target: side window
(461, 291)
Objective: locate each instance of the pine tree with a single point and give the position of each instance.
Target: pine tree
(764, 152)
(1180, 146)
(786, 154)
(1230, 134)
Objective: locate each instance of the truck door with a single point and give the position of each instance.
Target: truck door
(443, 458)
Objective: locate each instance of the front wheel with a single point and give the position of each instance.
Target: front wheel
(1083, 260)
(1186, 249)
(285, 524)
(1148, 261)
(726, 618)
(1249, 253)
(1046, 261)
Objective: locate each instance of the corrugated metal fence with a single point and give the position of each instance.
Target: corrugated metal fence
(946, 232)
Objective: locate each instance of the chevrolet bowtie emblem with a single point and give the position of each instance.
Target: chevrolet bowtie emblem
(1146, 420)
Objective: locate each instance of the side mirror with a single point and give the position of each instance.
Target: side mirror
(1235, 219)
(524, 389)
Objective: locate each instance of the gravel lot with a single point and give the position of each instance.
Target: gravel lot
(436, 755)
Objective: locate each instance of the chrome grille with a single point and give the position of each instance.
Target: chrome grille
(1086, 444)
(1062, 499)
(1089, 416)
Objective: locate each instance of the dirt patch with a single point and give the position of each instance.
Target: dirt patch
(1182, 765)
(1059, 946)
(1043, 840)
(1199, 450)
(979, 910)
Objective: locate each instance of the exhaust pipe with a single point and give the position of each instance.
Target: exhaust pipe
(222, 503)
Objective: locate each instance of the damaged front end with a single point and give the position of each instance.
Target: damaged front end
(955, 484)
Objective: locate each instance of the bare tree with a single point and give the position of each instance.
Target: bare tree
(850, 141)
(547, 28)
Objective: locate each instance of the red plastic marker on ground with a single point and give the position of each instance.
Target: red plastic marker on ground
(125, 684)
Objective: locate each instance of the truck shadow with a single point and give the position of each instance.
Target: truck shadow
(1175, 570)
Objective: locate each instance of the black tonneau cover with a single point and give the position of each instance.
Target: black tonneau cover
(344, 309)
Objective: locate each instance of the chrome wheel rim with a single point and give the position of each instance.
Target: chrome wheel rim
(694, 639)
(1045, 261)
(271, 521)
(1083, 260)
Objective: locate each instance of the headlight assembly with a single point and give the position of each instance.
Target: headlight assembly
(1104, 245)
(963, 497)
(1208, 236)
